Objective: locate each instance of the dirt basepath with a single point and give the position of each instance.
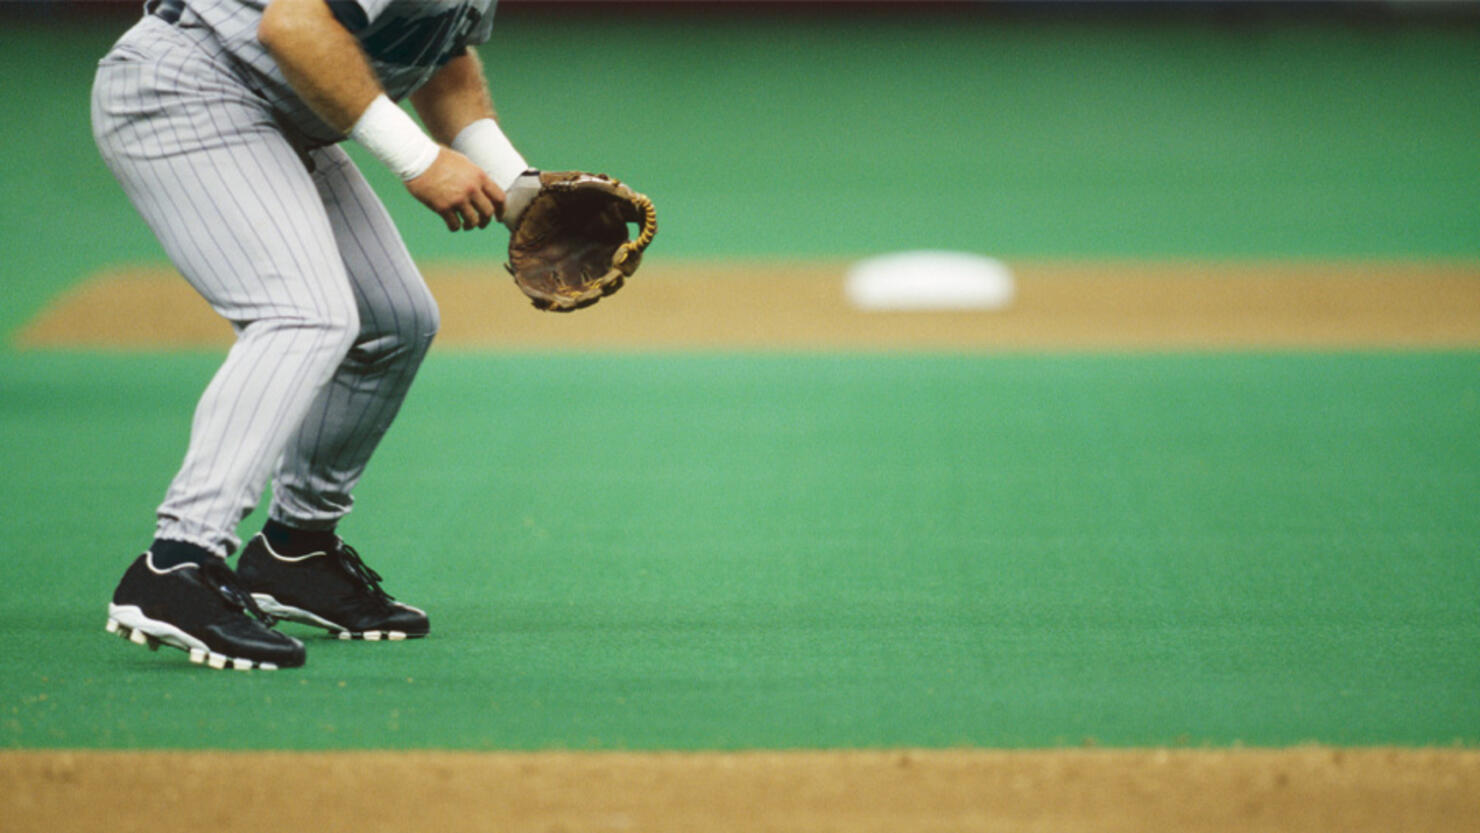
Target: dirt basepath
(1063, 791)
(769, 305)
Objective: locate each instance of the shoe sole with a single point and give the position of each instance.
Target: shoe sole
(129, 622)
(273, 607)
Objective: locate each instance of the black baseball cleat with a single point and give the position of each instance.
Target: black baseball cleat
(331, 589)
(202, 610)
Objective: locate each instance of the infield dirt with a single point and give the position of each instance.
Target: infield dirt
(1063, 791)
(801, 306)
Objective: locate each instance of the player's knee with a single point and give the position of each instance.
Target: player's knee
(404, 336)
(428, 319)
(315, 336)
(418, 326)
(411, 323)
(340, 326)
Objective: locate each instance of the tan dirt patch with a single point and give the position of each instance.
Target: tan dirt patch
(1063, 791)
(800, 305)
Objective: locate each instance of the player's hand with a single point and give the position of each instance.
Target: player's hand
(458, 191)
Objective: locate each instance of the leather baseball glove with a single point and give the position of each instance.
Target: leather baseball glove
(569, 244)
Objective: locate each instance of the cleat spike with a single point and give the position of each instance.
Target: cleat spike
(372, 636)
(346, 635)
(268, 666)
(200, 610)
(395, 636)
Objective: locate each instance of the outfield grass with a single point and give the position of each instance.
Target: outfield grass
(806, 551)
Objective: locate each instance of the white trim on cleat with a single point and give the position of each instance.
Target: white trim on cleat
(129, 622)
(133, 621)
(272, 607)
(149, 562)
(288, 559)
(276, 609)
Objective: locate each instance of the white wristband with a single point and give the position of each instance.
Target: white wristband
(484, 142)
(393, 136)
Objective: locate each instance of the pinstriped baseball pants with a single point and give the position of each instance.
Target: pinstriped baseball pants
(331, 315)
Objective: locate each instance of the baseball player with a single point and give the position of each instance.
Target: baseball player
(220, 119)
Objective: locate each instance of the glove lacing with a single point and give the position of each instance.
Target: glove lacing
(644, 237)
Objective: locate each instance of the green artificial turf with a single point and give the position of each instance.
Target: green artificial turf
(830, 551)
(670, 552)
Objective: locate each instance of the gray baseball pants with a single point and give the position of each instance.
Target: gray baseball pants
(331, 315)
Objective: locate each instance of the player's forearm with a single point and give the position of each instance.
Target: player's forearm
(320, 58)
(455, 107)
(454, 98)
